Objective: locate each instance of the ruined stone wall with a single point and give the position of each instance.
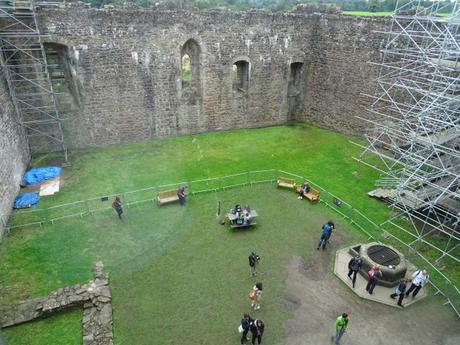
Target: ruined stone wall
(126, 65)
(341, 74)
(13, 153)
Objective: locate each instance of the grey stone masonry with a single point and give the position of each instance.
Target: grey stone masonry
(14, 153)
(124, 70)
(94, 297)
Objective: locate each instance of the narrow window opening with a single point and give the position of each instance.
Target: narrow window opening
(296, 74)
(190, 72)
(295, 91)
(186, 70)
(240, 75)
(62, 71)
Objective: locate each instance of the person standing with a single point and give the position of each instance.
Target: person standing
(400, 290)
(326, 234)
(181, 195)
(253, 261)
(341, 324)
(245, 326)
(374, 275)
(117, 206)
(257, 330)
(353, 268)
(419, 279)
(255, 295)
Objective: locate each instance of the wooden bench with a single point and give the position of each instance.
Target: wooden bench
(312, 195)
(167, 196)
(286, 183)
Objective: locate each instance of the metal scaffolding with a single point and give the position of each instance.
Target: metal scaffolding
(24, 63)
(415, 121)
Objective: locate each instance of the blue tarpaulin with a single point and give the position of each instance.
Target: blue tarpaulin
(26, 200)
(37, 175)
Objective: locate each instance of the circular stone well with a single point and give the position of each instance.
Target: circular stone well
(389, 260)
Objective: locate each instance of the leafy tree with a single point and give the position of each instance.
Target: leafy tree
(374, 5)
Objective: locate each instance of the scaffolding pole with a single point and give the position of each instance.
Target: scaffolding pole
(414, 126)
(25, 67)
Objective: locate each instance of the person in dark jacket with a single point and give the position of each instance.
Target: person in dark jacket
(181, 195)
(353, 268)
(253, 261)
(374, 275)
(326, 234)
(246, 325)
(304, 188)
(400, 290)
(257, 330)
(116, 205)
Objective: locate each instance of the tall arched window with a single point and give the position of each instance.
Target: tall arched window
(190, 59)
(190, 72)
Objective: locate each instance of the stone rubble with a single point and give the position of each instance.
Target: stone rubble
(94, 297)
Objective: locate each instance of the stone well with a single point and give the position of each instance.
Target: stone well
(392, 263)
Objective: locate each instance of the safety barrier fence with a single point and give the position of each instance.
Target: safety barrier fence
(40, 216)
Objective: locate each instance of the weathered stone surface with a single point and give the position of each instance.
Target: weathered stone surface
(13, 153)
(97, 309)
(127, 68)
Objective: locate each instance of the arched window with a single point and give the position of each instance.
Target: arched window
(190, 60)
(240, 75)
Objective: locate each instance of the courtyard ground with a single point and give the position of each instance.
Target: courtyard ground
(178, 276)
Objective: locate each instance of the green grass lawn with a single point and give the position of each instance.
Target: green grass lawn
(168, 263)
(322, 156)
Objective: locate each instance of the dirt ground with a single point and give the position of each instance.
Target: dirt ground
(318, 297)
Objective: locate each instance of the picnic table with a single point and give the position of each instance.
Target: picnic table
(232, 217)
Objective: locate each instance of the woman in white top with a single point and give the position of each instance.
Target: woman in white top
(419, 279)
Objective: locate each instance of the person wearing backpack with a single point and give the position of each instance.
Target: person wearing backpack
(257, 330)
(419, 279)
(354, 265)
(245, 326)
(255, 295)
(374, 275)
(400, 290)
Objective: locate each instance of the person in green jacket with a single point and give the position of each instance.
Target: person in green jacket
(341, 325)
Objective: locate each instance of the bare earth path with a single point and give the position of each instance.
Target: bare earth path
(318, 297)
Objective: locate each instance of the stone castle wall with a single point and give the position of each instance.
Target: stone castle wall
(123, 83)
(126, 82)
(13, 153)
